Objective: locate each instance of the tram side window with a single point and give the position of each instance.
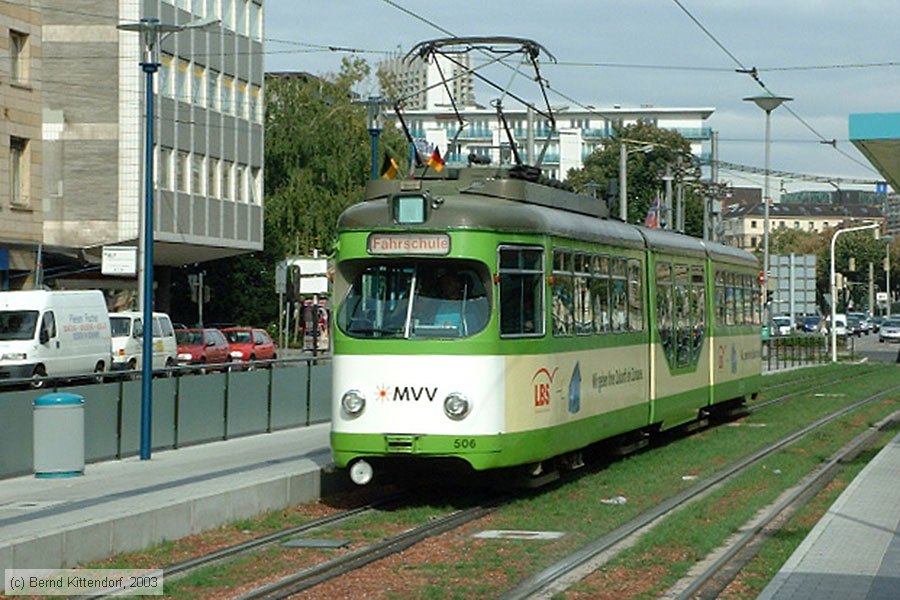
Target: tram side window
(583, 307)
(754, 300)
(635, 305)
(600, 293)
(563, 304)
(720, 298)
(619, 296)
(698, 309)
(664, 309)
(521, 291)
(682, 316)
(729, 299)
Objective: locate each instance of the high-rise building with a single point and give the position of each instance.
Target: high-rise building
(20, 142)
(418, 84)
(208, 130)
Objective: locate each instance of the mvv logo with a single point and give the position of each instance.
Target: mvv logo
(414, 394)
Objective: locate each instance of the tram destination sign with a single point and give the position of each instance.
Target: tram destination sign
(409, 243)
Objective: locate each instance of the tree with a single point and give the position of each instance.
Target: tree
(317, 162)
(645, 170)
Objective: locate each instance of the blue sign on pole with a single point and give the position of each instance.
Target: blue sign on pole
(881, 187)
(4, 259)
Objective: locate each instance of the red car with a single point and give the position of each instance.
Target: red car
(248, 344)
(202, 346)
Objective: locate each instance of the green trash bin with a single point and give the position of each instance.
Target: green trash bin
(58, 435)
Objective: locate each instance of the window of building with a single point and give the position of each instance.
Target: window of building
(19, 172)
(164, 79)
(752, 224)
(796, 224)
(255, 21)
(18, 56)
(753, 241)
(164, 178)
(182, 91)
(255, 104)
(182, 172)
(256, 185)
(213, 8)
(825, 225)
(197, 170)
(198, 89)
(212, 90)
(810, 226)
(212, 177)
(240, 99)
(241, 8)
(521, 275)
(228, 13)
(228, 94)
(197, 7)
(227, 180)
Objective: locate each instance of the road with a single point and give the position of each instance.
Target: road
(869, 347)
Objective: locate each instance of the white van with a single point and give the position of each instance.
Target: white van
(46, 333)
(127, 330)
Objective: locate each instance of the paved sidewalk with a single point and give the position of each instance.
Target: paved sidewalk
(130, 504)
(853, 553)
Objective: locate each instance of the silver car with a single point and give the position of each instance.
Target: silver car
(890, 331)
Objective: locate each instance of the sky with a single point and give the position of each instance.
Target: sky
(833, 57)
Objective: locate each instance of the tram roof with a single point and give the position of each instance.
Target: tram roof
(489, 199)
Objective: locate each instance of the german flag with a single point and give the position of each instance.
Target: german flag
(389, 167)
(436, 162)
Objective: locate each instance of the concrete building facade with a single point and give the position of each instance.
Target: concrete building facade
(21, 157)
(208, 167)
(743, 224)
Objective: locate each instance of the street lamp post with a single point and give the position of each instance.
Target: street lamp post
(833, 289)
(373, 110)
(152, 33)
(768, 104)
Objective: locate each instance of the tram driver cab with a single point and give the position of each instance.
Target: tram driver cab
(416, 300)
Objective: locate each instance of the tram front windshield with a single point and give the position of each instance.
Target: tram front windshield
(416, 300)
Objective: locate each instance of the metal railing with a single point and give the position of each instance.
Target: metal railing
(191, 405)
(784, 352)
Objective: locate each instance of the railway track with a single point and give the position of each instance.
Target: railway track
(314, 575)
(732, 558)
(563, 573)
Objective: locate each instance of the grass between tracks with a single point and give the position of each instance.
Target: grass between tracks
(457, 565)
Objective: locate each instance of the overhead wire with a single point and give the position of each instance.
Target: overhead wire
(754, 74)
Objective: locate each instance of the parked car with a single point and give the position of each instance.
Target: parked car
(811, 324)
(127, 330)
(53, 333)
(890, 330)
(864, 326)
(781, 325)
(876, 323)
(202, 346)
(854, 325)
(248, 344)
(840, 325)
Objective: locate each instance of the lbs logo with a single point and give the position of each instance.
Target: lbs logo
(541, 381)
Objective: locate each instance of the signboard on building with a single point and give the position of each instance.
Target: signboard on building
(119, 261)
(793, 281)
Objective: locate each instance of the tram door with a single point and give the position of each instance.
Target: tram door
(682, 356)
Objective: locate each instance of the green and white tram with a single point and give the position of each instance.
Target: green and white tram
(493, 320)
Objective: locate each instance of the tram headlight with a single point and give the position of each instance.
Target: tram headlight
(353, 402)
(457, 406)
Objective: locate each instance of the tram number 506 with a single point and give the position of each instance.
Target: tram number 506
(464, 443)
